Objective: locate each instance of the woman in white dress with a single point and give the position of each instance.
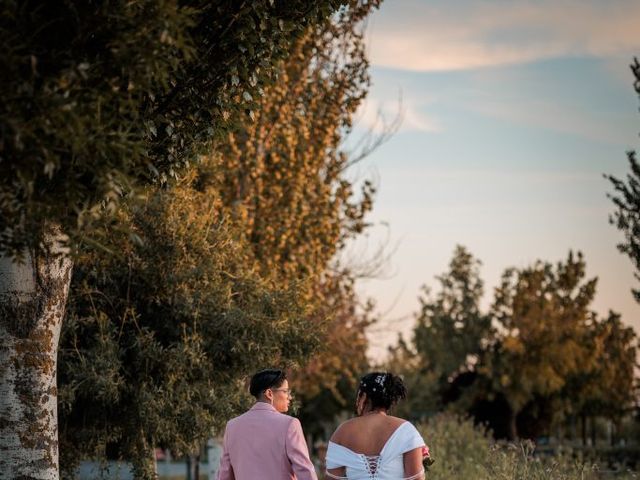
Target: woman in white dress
(375, 445)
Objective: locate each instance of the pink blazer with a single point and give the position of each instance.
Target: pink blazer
(263, 444)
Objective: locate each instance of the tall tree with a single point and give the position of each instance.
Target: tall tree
(268, 212)
(325, 386)
(542, 314)
(287, 181)
(626, 199)
(285, 173)
(160, 335)
(96, 100)
(605, 386)
(450, 331)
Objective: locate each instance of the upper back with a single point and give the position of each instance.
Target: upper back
(367, 434)
(258, 420)
(257, 432)
(382, 449)
(256, 443)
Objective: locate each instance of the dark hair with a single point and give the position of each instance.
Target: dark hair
(264, 379)
(383, 389)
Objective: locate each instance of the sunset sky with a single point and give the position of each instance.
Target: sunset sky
(512, 113)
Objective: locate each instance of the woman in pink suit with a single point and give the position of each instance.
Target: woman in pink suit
(263, 443)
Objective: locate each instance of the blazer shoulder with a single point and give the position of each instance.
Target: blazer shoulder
(288, 419)
(285, 423)
(235, 421)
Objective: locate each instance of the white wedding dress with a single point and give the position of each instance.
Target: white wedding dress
(388, 465)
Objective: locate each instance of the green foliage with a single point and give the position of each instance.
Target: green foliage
(228, 271)
(459, 449)
(606, 388)
(285, 184)
(448, 338)
(159, 335)
(539, 357)
(284, 173)
(462, 450)
(452, 318)
(543, 317)
(98, 99)
(626, 199)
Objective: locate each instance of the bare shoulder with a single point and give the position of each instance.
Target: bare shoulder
(396, 421)
(343, 430)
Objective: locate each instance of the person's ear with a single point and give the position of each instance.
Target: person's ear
(268, 394)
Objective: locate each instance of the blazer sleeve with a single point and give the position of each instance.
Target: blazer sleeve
(225, 471)
(298, 453)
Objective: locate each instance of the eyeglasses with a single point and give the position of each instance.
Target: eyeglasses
(287, 391)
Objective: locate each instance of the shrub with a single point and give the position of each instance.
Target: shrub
(462, 450)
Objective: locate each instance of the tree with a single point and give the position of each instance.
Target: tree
(237, 217)
(605, 389)
(450, 332)
(542, 315)
(284, 173)
(616, 363)
(326, 384)
(539, 357)
(627, 201)
(160, 336)
(95, 101)
(286, 181)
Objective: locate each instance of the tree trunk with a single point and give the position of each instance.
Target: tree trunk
(193, 467)
(513, 427)
(33, 295)
(214, 451)
(614, 432)
(583, 419)
(145, 466)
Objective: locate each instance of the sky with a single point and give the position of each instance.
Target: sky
(511, 114)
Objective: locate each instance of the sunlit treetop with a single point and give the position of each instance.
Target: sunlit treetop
(98, 98)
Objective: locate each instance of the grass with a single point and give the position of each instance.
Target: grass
(464, 451)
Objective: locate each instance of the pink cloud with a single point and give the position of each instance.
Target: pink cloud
(432, 36)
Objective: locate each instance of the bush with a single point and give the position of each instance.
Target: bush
(462, 450)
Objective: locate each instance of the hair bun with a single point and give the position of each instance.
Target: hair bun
(383, 389)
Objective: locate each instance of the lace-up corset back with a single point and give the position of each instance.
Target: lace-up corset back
(372, 462)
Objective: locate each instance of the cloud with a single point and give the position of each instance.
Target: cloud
(441, 36)
(559, 117)
(376, 116)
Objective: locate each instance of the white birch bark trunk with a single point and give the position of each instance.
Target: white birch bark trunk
(33, 295)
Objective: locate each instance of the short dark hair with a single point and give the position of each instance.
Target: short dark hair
(383, 389)
(264, 379)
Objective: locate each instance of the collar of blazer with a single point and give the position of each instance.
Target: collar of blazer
(264, 406)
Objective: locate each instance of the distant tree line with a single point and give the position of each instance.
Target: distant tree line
(536, 358)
